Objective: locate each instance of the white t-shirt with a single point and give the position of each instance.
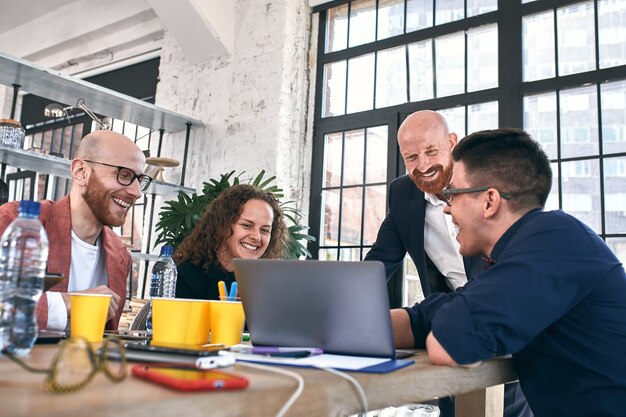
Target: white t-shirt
(440, 242)
(87, 270)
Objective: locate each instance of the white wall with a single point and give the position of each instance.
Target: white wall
(254, 102)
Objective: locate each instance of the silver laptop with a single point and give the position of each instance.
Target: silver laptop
(341, 307)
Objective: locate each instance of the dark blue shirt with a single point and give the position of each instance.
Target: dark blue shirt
(556, 300)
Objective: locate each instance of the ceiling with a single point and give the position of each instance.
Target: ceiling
(14, 13)
(86, 37)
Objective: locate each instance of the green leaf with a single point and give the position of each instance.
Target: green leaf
(258, 179)
(264, 184)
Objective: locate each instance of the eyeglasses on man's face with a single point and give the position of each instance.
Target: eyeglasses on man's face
(126, 176)
(449, 193)
(75, 364)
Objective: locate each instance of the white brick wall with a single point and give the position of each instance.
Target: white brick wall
(254, 103)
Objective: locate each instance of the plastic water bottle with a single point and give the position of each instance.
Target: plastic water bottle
(162, 280)
(23, 260)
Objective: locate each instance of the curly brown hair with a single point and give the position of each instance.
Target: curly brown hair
(209, 234)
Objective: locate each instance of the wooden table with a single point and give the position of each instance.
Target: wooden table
(325, 394)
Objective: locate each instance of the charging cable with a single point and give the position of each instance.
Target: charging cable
(291, 374)
(357, 387)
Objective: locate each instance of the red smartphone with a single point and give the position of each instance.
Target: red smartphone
(189, 379)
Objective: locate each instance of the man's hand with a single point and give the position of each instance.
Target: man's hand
(101, 289)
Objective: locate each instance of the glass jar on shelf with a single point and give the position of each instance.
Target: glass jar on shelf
(11, 133)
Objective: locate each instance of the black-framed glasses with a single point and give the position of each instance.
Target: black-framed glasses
(126, 176)
(76, 363)
(449, 193)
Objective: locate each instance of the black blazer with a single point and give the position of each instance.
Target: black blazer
(402, 231)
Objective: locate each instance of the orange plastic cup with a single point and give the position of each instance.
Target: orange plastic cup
(88, 315)
(177, 321)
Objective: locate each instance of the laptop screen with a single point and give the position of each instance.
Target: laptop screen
(341, 307)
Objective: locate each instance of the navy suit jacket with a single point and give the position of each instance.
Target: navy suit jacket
(402, 231)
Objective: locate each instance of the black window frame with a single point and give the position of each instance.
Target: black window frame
(509, 95)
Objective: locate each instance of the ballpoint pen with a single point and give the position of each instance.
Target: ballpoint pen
(291, 354)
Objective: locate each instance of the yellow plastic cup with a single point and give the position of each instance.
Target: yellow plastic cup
(177, 321)
(227, 320)
(88, 315)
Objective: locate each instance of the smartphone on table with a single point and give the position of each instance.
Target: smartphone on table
(136, 335)
(189, 379)
(177, 349)
(202, 356)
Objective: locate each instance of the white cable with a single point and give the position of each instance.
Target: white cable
(354, 382)
(294, 375)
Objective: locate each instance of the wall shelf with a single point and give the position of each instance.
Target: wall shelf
(53, 165)
(66, 89)
(140, 256)
(34, 161)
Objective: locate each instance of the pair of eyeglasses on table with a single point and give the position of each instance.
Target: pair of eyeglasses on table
(76, 363)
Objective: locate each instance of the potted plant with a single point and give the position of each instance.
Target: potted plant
(178, 217)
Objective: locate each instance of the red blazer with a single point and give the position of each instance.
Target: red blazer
(55, 217)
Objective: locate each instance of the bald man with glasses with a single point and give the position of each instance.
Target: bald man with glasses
(107, 179)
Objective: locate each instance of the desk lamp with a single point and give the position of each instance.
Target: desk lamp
(56, 110)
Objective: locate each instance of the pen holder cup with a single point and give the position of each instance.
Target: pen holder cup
(227, 320)
(177, 321)
(225, 298)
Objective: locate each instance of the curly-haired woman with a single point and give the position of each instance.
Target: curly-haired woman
(242, 222)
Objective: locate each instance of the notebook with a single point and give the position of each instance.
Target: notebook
(341, 307)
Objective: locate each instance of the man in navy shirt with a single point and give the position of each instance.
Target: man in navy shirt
(416, 224)
(554, 297)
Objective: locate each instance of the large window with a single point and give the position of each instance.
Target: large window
(555, 68)
(353, 191)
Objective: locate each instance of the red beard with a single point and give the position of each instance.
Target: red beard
(98, 198)
(435, 186)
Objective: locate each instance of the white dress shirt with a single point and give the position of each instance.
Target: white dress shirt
(440, 242)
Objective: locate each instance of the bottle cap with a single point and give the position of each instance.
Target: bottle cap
(30, 208)
(167, 250)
